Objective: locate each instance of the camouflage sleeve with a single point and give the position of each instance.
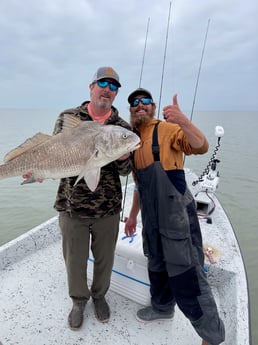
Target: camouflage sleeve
(124, 167)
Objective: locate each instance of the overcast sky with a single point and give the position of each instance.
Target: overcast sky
(50, 50)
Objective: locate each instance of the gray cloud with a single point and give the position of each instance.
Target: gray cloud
(50, 49)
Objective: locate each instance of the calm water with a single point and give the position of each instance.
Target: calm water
(23, 207)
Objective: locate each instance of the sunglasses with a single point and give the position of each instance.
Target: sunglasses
(105, 83)
(143, 100)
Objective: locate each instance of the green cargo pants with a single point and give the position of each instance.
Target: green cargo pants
(78, 235)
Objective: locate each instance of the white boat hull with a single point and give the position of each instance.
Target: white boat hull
(35, 303)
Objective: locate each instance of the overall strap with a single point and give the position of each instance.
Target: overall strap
(155, 143)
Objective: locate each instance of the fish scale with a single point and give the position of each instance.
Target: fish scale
(74, 152)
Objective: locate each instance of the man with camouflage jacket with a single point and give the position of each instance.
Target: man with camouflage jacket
(86, 215)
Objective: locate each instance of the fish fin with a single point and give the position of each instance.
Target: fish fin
(29, 144)
(91, 178)
(71, 121)
(92, 173)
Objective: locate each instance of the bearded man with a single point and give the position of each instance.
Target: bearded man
(172, 239)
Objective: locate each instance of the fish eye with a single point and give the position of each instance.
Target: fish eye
(124, 135)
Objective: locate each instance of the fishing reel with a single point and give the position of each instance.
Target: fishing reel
(209, 179)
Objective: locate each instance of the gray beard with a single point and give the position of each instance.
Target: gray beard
(104, 104)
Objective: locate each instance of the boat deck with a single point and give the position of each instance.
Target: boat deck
(35, 306)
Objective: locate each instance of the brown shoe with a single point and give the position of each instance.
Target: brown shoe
(75, 318)
(102, 310)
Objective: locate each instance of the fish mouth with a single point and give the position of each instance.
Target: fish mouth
(134, 147)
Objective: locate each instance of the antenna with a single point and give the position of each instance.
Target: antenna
(199, 71)
(164, 59)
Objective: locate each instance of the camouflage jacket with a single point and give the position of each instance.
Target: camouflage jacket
(106, 199)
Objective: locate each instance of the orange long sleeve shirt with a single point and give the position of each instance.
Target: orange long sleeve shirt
(172, 143)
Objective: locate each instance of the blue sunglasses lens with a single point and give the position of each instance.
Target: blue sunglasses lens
(105, 83)
(113, 87)
(143, 100)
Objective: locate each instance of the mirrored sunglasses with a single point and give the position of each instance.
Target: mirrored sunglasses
(143, 100)
(105, 83)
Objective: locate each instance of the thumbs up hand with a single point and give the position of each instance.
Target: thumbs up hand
(172, 112)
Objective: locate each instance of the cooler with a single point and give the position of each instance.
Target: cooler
(129, 275)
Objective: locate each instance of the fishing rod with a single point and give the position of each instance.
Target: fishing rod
(198, 74)
(199, 71)
(144, 51)
(162, 77)
(143, 59)
(164, 59)
(209, 179)
(161, 86)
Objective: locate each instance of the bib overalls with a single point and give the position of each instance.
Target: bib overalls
(172, 242)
